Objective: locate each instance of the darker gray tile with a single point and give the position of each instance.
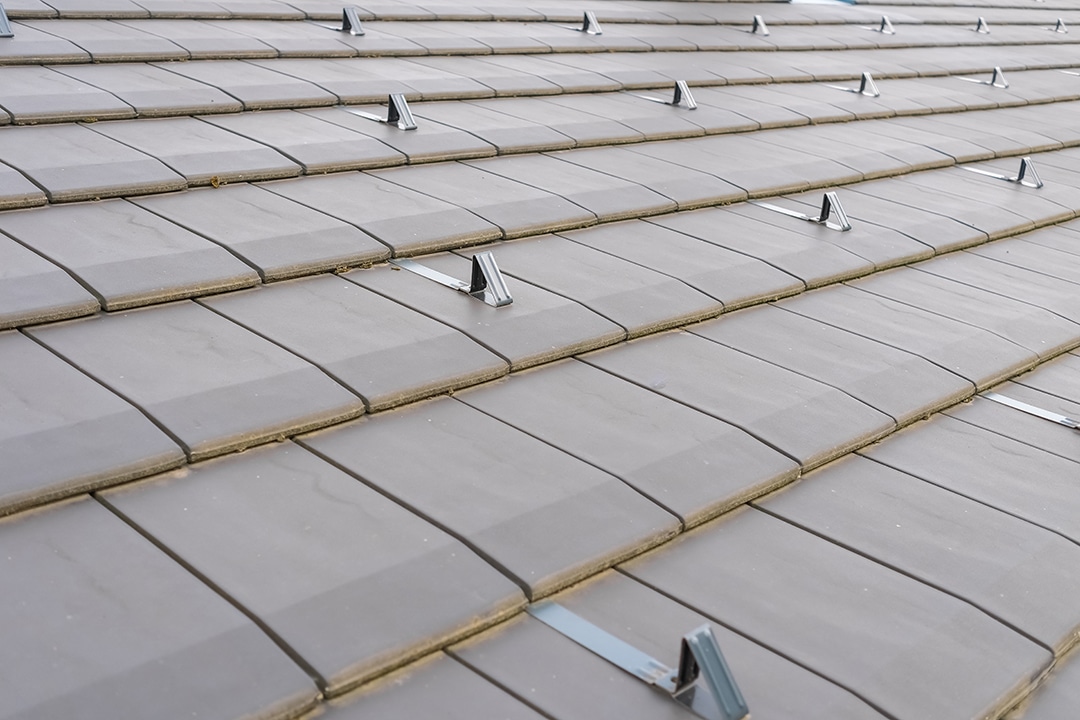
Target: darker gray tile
(93, 618)
(33, 290)
(1018, 573)
(153, 91)
(212, 384)
(902, 385)
(304, 547)
(203, 41)
(61, 433)
(805, 419)
(31, 45)
(40, 94)
(386, 353)
(280, 237)
(258, 88)
(126, 255)
(990, 468)
(507, 133)
(72, 162)
(540, 515)
(538, 327)
(665, 450)
(409, 222)
(639, 299)
(855, 621)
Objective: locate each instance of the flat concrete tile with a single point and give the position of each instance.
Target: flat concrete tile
(560, 677)
(990, 468)
(61, 433)
(303, 545)
(665, 450)
(31, 45)
(918, 131)
(16, 191)
(652, 120)
(1056, 205)
(975, 354)
(814, 263)
(436, 686)
(538, 327)
(33, 290)
(773, 687)
(203, 41)
(902, 385)
(153, 91)
(202, 153)
(733, 278)
(507, 133)
(1057, 696)
(687, 187)
(567, 77)
(101, 8)
(258, 88)
(365, 80)
(108, 41)
(742, 100)
(126, 255)
(883, 246)
(641, 300)
(853, 620)
(516, 208)
(290, 39)
(215, 386)
(503, 81)
(1034, 328)
(386, 353)
(1056, 378)
(409, 222)
(540, 515)
(1016, 572)
(1019, 425)
(807, 420)
(429, 142)
(585, 128)
(40, 94)
(1033, 256)
(280, 237)
(92, 612)
(72, 162)
(1020, 283)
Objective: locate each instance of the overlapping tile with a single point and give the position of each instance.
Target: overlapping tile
(34, 290)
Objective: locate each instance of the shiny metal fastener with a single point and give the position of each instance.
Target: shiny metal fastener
(867, 87)
(996, 80)
(5, 26)
(759, 26)
(486, 283)
(1028, 175)
(885, 28)
(830, 208)
(981, 27)
(397, 113)
(682, 97)
(589, 24)
(1032, 410)
(350, 20)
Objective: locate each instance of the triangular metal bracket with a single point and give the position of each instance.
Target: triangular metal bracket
(704, 682)
(996, 80)
(5, 26)
(1028, 175)
(397, 113)
(486, 282)
(589, 24)
(759, 26)
(1060, 27)
(350, 20)
(981, 27)
(681, 97)
(832, 213)
(885, 28)
(867, 87)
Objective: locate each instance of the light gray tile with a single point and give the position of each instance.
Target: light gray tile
(40, 94)
(258, 88)
(108, 41)
(33, 290)
(153, 91)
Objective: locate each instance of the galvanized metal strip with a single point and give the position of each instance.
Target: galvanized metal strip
(601, 642)
(1033, 410)
(442, 279)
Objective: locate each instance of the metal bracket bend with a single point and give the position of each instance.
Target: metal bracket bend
(830, 207)
(486, 282)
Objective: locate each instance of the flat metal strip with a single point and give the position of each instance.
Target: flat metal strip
(601, 642)
(1032, 410)
(442, 279)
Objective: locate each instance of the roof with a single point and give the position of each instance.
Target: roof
(797, 363)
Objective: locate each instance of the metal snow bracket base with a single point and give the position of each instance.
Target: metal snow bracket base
(397, 113)
(703, 681)
(866, 87)
(1060, 27)
(1028, 175)
(830, 206)
(5, 26)
(681, 97)
(981, 27)
(996, 80)
(350, 20)
(885, 28)
(486, 284)
(589, 24)
(759, 26)
(1032, 410)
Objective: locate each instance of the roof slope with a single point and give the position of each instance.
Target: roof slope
(255, 462)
